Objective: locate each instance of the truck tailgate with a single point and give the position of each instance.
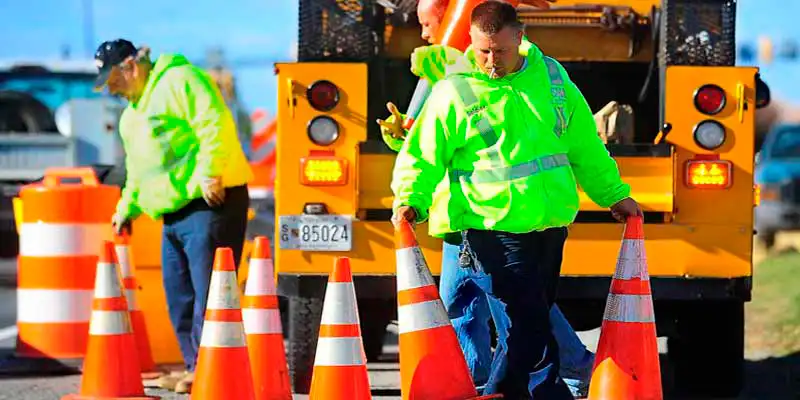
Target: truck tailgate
(651, 180)
(26, 156)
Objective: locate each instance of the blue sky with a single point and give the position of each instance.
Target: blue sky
(267, 29)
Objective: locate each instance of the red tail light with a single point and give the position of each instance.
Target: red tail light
(323, 95)
(709, 173)
(709, 99)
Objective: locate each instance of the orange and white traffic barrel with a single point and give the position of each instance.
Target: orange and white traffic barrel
(62, 232)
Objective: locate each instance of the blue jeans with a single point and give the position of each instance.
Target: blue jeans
(191, 236)
(520, 274)
(469, 308)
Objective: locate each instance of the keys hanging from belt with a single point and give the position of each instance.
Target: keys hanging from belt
(464, 257)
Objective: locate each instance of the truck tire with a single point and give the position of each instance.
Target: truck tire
(708, 350)
(304, 317)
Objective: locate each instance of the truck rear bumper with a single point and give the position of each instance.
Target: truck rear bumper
(571, 288)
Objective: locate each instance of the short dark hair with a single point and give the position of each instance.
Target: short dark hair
(492, 16)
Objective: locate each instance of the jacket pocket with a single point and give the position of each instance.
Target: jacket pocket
(561, 191)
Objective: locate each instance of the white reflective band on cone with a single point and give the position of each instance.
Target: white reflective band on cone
(107, 282)
(259, 193)
(59, 240)
(339, 351)
(257, 279)
(261, 321)
(109, 323)
(48, 305)
(222, 334)
(124, 259)
(418, 276)
(223, 291)
(631, 260)
(130, 296)
(340, 304)
(629, 308)
(421, 316)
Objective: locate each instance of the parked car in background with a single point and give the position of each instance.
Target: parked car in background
(777, 172)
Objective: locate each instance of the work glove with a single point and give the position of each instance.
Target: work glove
(213, 191)
(120, 223)
(407, 213)
(392, 128)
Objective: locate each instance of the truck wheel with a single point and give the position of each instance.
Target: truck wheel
(375, 316)
(708, 351)
(304, 317)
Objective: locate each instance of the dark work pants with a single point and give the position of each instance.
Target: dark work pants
(191, 236)
(523, 271)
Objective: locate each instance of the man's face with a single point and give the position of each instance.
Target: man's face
(499, 51)
(429, 14)
(124, 80)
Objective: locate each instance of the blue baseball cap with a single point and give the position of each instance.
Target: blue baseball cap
(109, 54)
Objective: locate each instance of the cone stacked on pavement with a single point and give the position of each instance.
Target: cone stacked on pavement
(262, 325)
(432, 364)
(111, 366)
(130, 285)
(340, 365)
(223, 365)
(628, 332)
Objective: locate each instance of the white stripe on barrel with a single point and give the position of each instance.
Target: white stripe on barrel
(629, 308)
(339, 351)
(222, 334)
(259, 321)
(412, 270)
(223, 291)
(260, 278)
(420, 316)
(109, 323)
(60, 306)
(40, 239)
(340, 304)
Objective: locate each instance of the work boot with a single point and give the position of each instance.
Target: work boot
(167, 382)
(185, 384)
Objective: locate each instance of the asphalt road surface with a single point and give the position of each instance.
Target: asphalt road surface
(767, 378)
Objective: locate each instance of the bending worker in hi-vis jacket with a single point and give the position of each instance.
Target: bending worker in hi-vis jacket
(467, 304)
(511, 135)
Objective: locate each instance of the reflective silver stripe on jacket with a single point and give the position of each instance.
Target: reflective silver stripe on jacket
(506, 173)
(559, 96)
(503, 174)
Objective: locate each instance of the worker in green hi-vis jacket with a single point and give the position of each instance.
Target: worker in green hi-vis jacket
(471, 130)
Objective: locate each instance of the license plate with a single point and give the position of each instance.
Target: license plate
(316, 232)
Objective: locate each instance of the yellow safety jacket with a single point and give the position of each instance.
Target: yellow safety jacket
(511, 150)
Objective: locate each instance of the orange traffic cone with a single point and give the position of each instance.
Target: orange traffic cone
(130, 286)
(111, 366)
(340, 366)
(432, 364)
(628, 332)
(223, 367)
(262, 325)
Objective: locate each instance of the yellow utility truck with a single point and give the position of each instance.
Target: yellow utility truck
(675, 111)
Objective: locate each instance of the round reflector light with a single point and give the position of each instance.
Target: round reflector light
(323, 130)
(709, 99)
(709, 134)
(323, 95)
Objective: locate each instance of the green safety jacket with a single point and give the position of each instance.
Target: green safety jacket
(512, 152)
(178, 133)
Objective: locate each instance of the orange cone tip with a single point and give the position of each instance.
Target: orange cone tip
(223, 259)
(404, 236)
(634, 228)
(261, 248)
(108, 255)
(341, 270)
